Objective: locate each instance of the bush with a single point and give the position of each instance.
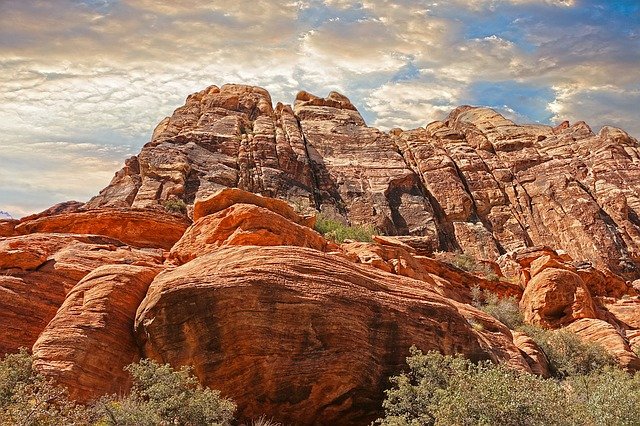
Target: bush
(504, 309)
(468, 263)
(445, 390)
(608, 396)
(175, 206)
(27, 398)
(162, 395)
(569, 355)
(339, 232)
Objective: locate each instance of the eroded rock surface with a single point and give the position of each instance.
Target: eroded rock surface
(475, 182)
(304, 336)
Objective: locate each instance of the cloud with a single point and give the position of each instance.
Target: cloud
(106, 71)
(35, 176)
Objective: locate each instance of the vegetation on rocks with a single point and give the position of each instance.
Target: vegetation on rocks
(503, 309)
(175, 206)
(468, 263)
(339, 232)
(451, 390)
(160, 396)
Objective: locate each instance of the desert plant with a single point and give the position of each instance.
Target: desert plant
(339, 232)
(175, 206)
(569, 355)
(28, 398)
(469, 263)
(503, 309)
(445, 390)
(162, 395)
(607, 396)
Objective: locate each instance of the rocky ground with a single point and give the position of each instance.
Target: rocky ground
(202, 251)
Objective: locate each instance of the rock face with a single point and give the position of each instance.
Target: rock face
(303, 336)
(140, 228)
(475, 182)
(88, 343)
(38, 270)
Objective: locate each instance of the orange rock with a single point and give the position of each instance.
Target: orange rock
(604, 283)
(7, 227)
(555, 297)
(243, 224)
(140, 228)
(90, 340)
(532, 353)
(603, 333)
(229, 196)
(315, 335)
(37, 271)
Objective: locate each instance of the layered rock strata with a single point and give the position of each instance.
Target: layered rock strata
(475, 182)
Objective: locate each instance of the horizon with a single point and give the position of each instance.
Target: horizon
(87, 81)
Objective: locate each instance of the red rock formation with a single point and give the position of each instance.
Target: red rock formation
(304, 336)
(475, 182)
(243, 224)
(140, 228)
(556, 297)
(90, 340)
(37, 271)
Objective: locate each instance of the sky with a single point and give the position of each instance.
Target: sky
(84, 82)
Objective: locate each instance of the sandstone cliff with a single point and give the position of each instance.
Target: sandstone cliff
(475, 182)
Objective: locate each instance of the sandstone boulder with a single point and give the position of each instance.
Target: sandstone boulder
(243, 224)
(556, 297)
(140, 228)
(38, 270)
(303, 336)
(90, 340)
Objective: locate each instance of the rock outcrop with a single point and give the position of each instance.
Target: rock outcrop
(475, 182)
(304, 336)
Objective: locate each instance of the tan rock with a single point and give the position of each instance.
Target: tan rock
(90, 340)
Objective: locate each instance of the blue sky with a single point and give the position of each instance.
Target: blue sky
(84, 82)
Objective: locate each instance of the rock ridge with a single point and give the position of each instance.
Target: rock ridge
(474, 182)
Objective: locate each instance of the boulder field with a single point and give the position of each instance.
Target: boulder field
(202, 251)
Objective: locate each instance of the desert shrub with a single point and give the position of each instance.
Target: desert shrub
(469, 263)
(28, 398)
(339, 232)
(162, 395)
(503, 309)
(569, 355)
(445, 390)
(175, 206)
(607, 397)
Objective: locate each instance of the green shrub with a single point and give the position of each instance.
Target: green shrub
(339, 232)
(504, 309)
(175, 206)
(445, 390)
(608, 397)
(569, 355)
(27, 398)
(162, 395)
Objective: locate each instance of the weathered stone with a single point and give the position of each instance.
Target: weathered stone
(316, 336)
(556, 297)
(38, 270)
(140, 228)
(86, 346)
